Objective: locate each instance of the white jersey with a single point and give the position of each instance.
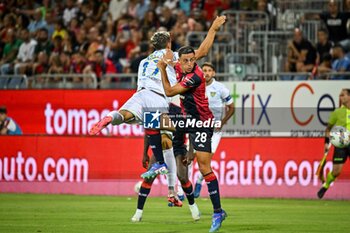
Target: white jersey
(218, 95)
(149, 75)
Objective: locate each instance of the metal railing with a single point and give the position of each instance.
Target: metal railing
(13, 81)
(119, 81)
(271, 46)
(63, 81)
(305, 5)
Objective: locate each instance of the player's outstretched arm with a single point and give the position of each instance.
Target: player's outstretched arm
(203, 49)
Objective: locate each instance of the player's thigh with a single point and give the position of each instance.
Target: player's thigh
(132, 108)
(340, 155)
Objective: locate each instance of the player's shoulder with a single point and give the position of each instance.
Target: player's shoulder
(339, 111)
(219, 85)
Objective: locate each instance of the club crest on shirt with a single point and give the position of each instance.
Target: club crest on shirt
(212, 93)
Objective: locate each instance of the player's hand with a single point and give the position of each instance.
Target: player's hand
(161, 64)
(145, 161)
(220, 20)
(168, 56)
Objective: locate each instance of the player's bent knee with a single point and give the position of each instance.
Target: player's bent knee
(182, 178)
(166, 142)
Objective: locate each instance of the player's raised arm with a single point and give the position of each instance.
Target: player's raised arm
(203, 49)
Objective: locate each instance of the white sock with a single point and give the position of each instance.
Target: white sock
(117, 117)
(169, 159)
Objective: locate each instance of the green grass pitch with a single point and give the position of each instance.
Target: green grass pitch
(70, 213)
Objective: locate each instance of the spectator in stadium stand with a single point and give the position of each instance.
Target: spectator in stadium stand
(44, 44)
(55, 64)
(100, 66)
(150, 20)
(57, 45)
(167, 19)
(341, 63)
(301, 54)
(70, 11)
(132, 8)
(185, 5)
(7, 125)
(81, 43)
(78, 65)
(25, 57)
(9, 52)
(323, 45)
(117, 8)
(67, 43)
(324, 67)
(40, 67)
(336, 22)
(144, 50)
(9, 22)
(95, 44)
(22, 22)
(142, 8)
(59, 29)
(37, 23)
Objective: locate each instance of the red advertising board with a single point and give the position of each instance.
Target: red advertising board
(66, 112)
(245, 167)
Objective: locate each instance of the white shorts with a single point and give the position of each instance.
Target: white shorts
(215, 140)
(145, 101)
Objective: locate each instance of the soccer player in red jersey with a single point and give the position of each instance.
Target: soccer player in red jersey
(195, 107)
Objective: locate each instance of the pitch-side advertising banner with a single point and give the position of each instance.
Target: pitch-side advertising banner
(245, 167)
(66, 112)
(297, 109)
(288, 108)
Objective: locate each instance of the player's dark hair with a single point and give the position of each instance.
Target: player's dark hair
(160, 40)
(347, 90)
(209, 65)
(3, 109)
(185, 50)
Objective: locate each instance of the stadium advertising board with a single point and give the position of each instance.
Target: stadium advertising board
(287, 108)
(245, 167)
(66, 112)
(290, 108)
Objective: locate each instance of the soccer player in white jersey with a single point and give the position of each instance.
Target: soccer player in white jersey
(148, 98)
(221, 105)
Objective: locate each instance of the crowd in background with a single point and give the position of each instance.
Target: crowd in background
(111, 36)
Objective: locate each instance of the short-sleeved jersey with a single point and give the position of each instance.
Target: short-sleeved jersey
(194, 102)
(149, 75)
(12, 127)
(218, 95)
(340, 117)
